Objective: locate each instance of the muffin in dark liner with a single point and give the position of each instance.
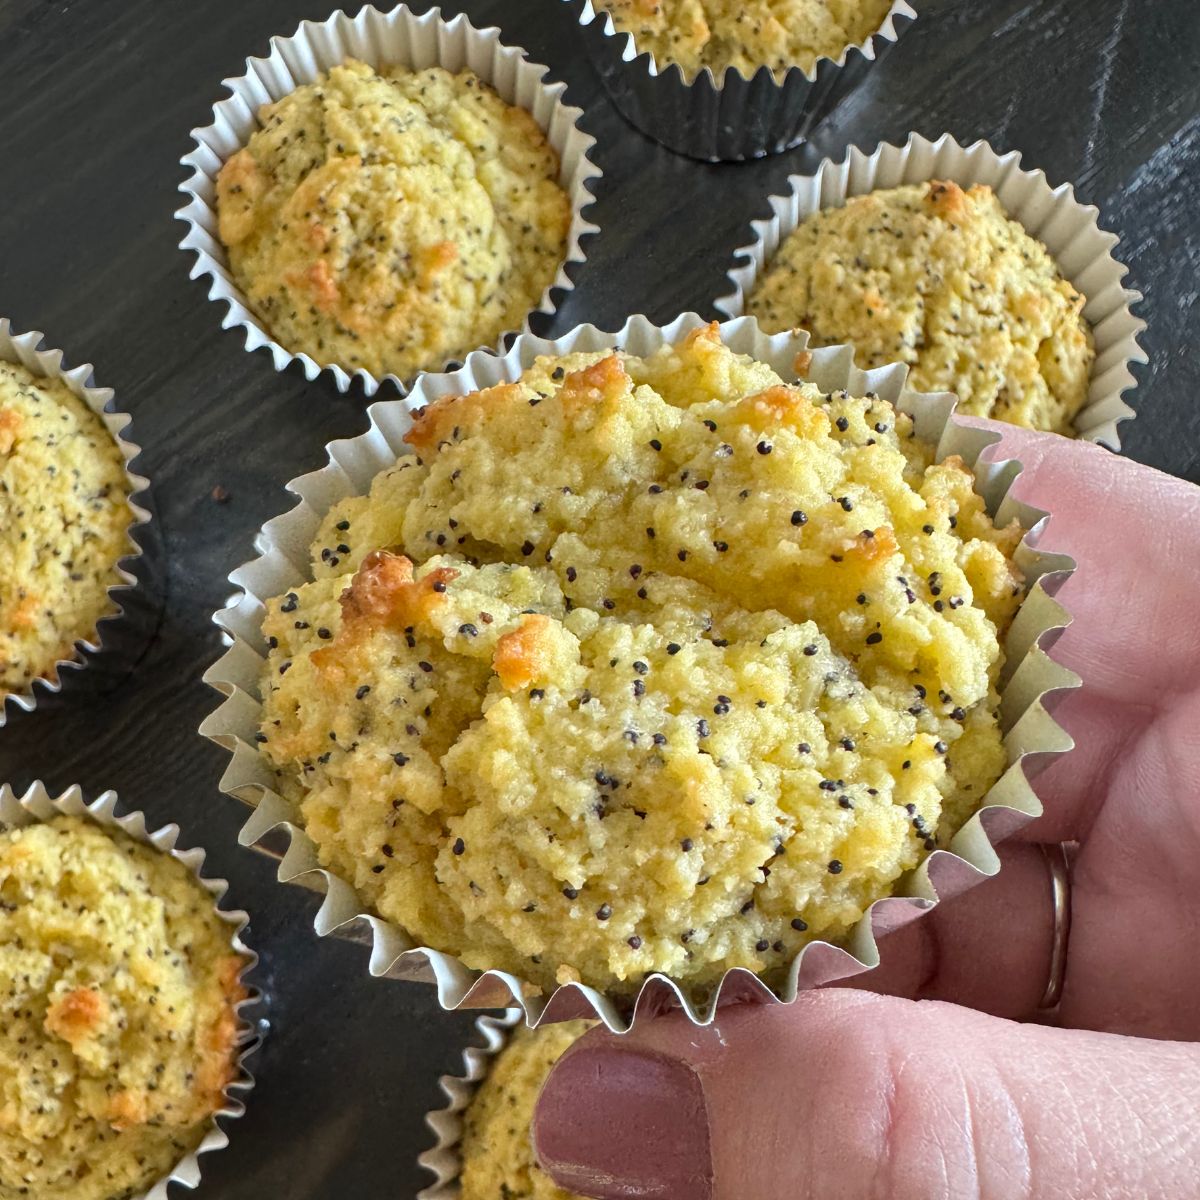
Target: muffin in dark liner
(727, 118)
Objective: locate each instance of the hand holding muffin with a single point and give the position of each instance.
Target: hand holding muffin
(1095, 1108)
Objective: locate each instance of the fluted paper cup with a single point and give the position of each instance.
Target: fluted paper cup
(1070, 230)
(27, 350)
(444, 1159)
(37, 806)
(1031, 735)
(397, 37)
(726, 117)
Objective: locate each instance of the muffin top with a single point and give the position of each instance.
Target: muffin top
(118, 1028)
(393, 220)
(943, 280)
(745, 34)
(497, 1150)
(642, 664)
(64, 522)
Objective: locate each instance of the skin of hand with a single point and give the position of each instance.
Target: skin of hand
(938, 1082)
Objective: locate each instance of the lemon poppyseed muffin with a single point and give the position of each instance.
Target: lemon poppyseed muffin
(642, 665)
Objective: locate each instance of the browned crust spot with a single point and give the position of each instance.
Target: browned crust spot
(594, 384)
(75, 1016)
(318, 236)
(384, 591)
(433, 424)
(954, 462)
(23, 613)
(784, 407)
(216, 1044)
(10, 426)
(710, 333)
(873, 548)
(318, 280)
(524, 654)
(435, 259)
(239, 185)
(946, 199)
(128, 1109)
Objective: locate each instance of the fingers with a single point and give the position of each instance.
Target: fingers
(1133, 639)
(1132, 531)
(843, 1095)
(997, 937)
(1073, 787)
(1132, 964)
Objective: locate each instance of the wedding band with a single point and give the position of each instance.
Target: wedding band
(1058, 863)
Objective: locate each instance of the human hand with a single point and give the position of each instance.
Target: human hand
(935, 1088)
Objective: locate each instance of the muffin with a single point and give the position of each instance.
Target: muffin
(64, 521)
(748, 35)
(497, 1152)
(392, 220)
(942, 280)
(642, 665)
(118, 1034)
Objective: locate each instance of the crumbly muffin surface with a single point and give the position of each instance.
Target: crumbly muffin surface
(943, 280)
(393, 220)
(64, 521)
(642, 664)
(497, 1150)
(745, 34)
(117, 1038)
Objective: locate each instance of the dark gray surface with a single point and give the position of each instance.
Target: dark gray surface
(96, 100)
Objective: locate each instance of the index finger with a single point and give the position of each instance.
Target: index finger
(1134, 638)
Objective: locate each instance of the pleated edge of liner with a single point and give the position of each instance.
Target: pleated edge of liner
(270, 829)
(27, 348)
(581, 188)
(744, 268)
(38, 803)
(443, 1160)
(626, 49)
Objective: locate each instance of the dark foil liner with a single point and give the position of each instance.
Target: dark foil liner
(734, 118)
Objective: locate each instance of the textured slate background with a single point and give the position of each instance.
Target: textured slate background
(96, 100)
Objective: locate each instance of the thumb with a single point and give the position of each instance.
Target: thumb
(845, 1095)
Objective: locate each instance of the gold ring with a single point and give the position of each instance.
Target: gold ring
(1058, 863)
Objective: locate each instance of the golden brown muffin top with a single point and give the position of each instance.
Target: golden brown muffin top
(941, 279)
(64, 524)
(393, 220)
(118, 1027)
(642, 664)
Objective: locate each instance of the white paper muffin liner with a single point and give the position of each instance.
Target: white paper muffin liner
(26, 349)
(727, 118)
(444, 1159)
(1031, 735)
(394, 38)
(37, 806)
(1069, 229)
